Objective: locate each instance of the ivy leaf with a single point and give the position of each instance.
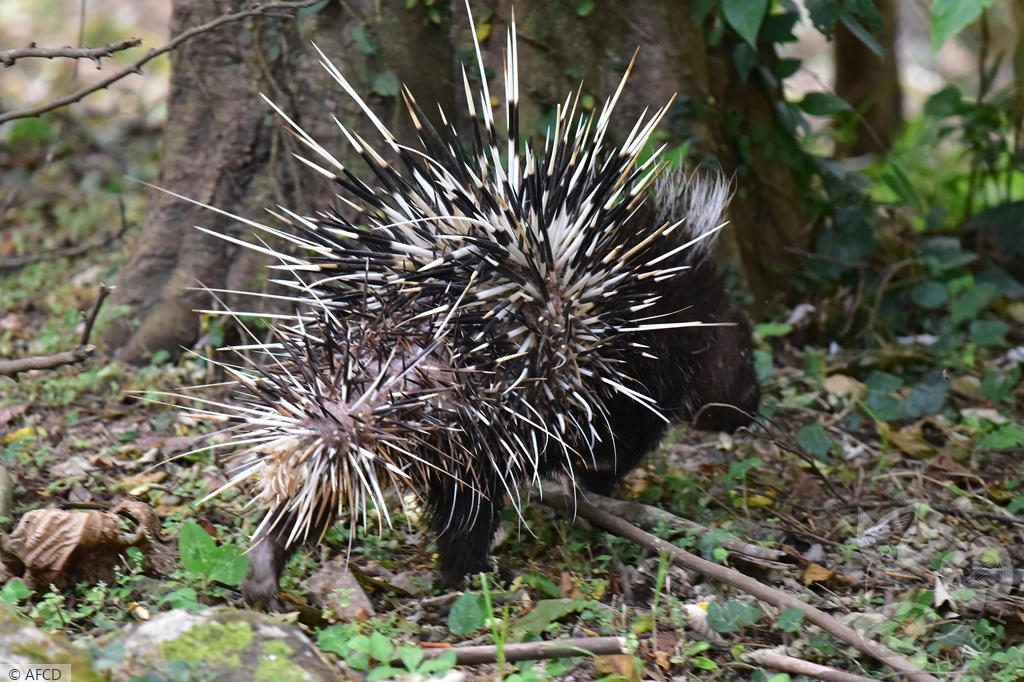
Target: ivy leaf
(949, 17)
(823, 104)
(745, 16)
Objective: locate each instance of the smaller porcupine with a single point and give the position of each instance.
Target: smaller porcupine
(470, 324)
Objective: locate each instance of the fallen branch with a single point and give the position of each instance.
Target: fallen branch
(91, 320)
(535, 651)
(136, 66)
(787, 664)
(83, 351)
(8, 57)
(647, 515)
(11, 368)
(728, 576)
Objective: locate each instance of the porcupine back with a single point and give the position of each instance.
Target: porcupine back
(487, 319)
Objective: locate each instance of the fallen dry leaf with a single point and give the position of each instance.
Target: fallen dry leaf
(59, 547)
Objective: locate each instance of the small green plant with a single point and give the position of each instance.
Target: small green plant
(203, 558)
(376, 656)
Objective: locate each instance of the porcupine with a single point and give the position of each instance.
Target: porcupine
(471, 323)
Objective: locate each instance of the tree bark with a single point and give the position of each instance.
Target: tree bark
(871, 84)
(223, 146)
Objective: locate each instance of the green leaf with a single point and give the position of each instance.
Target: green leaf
(543, 584)
(585, 7)
(815, 440)
(411, 657)
(14, 591)
(885, 407)
(335, 638)
(466, 615)
(384, 672)
(441, 664)
(195, 546)
(201, 555)
(228, 564)
(704, 663)
(862, 34)
(732, 615)
(896, 180)
(971, 302)
(790, 620)
(944, 103)
(744, 58)
(547, 611)
(380, 648)
(949, 17)
(823, 104)
(745, 16)
(699, 9)
(929, 295)
(997, 386)
(33, 129)
(1005, 437)
(386, 84)
(989, 332)
(883, 381)
(770, 329)
(784, 68)
(928, 396)
(365, 42)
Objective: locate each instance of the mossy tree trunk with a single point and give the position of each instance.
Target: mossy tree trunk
(223, 146)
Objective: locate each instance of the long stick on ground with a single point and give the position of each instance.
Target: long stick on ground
(738, 580)
(536, 651)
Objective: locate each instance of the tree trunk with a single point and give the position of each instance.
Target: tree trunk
(871, 84)
(223, 146)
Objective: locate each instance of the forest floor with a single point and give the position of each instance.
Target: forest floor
(887, 475)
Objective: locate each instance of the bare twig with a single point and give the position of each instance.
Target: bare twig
(91, 320)
(8, 57)
(753, 587)
(535, 651)
(788, 664)
(136, 66)
(12, 368)
(647, 515)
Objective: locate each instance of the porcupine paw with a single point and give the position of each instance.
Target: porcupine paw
(261, 591)
(261, 588)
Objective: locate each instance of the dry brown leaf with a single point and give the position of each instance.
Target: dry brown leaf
(816, 573)
(840, 385)
(619, 665)
(56, 546)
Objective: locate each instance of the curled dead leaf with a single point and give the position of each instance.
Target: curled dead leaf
(60, 547)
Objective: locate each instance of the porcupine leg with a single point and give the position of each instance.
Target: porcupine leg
(267, 557)
(465, 521)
